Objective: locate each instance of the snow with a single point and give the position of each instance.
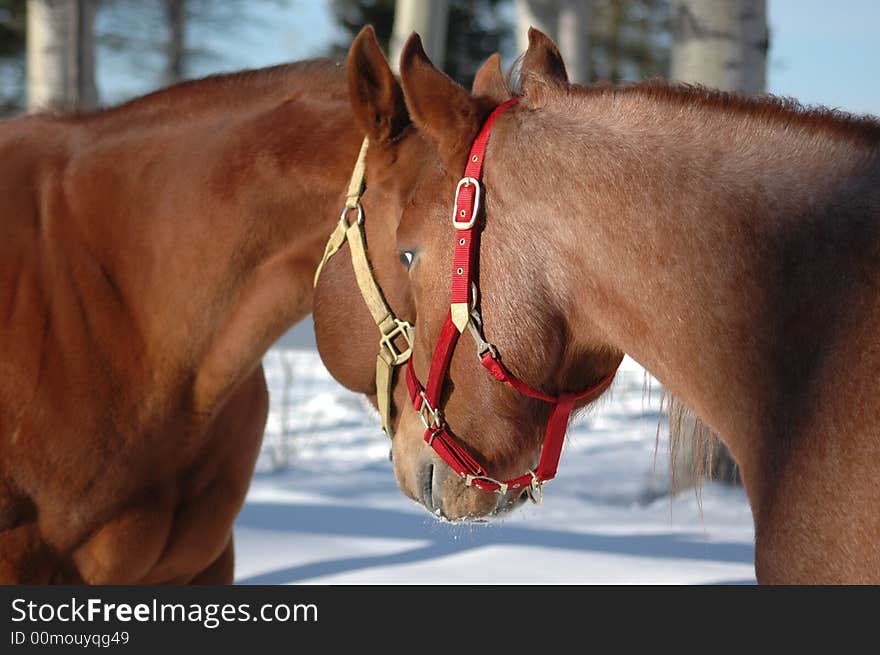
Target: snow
(323, 507)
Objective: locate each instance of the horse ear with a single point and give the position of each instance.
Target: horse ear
(490, 81)
(445, 113)
(542, 63)
(376, 97)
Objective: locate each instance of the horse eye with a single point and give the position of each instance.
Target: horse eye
(406, 258)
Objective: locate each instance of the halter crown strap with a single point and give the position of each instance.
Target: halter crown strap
(356, 184)
(390, 327)
(352, 201)
(464, 219)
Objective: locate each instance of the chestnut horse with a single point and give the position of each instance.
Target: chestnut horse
(730, 245)
(151, 254)
(345, 331)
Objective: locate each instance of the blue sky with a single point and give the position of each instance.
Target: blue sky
(826, 52)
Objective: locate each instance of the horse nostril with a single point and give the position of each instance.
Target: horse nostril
(427, 486)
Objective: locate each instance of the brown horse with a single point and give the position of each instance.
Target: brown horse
(150, 256)
(345, 331)
(729, 245)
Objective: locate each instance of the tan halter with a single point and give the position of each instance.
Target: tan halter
(390, 327)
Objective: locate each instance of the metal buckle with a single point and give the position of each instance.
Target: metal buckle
(502, 486)
(386, 340)
(436, 415)
(360, 211)
(466, 225)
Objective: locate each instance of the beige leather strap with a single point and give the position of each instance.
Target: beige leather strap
(384, 373)
(390, 327)
(334, 243)
(356, 184)
(364, 274)
(352, 201)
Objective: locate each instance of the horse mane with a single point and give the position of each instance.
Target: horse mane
(698, 100)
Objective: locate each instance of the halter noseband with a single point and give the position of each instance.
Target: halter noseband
(464, 313)
(390, 327)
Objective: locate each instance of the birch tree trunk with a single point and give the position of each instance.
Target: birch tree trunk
(566, 22)
(429, 19)
(60, 54)
(721, 44)
(175, 46)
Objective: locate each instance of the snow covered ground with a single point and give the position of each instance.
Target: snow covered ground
(323, 507)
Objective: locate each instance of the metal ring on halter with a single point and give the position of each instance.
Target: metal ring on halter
(535, 490)
(468, 224)
(360, 211)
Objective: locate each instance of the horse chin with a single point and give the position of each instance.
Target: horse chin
(428, 480)
(445, 495)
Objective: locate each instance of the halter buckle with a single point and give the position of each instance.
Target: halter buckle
(386, 340)
(468, 224)
(426, 411)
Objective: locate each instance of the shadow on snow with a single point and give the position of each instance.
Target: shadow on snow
(449, 539)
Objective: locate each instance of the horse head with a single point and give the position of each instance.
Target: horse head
(496, 280)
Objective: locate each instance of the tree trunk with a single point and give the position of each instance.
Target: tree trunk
(429, 20)
(574, 38)
(720, 43)
(566, 22)
(175, 46)
(61, 54)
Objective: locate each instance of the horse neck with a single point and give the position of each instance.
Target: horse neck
(731, 254)
(206, 232)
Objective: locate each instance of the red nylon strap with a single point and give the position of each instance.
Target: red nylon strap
(554, 436)
(452, 453)
(496, 368)
(440, 361)
(465, 239)
(413, 385)
(461, 461)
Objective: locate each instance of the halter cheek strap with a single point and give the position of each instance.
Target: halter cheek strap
(463, 313)
(390, 327)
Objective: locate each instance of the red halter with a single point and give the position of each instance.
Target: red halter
(426, 400)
